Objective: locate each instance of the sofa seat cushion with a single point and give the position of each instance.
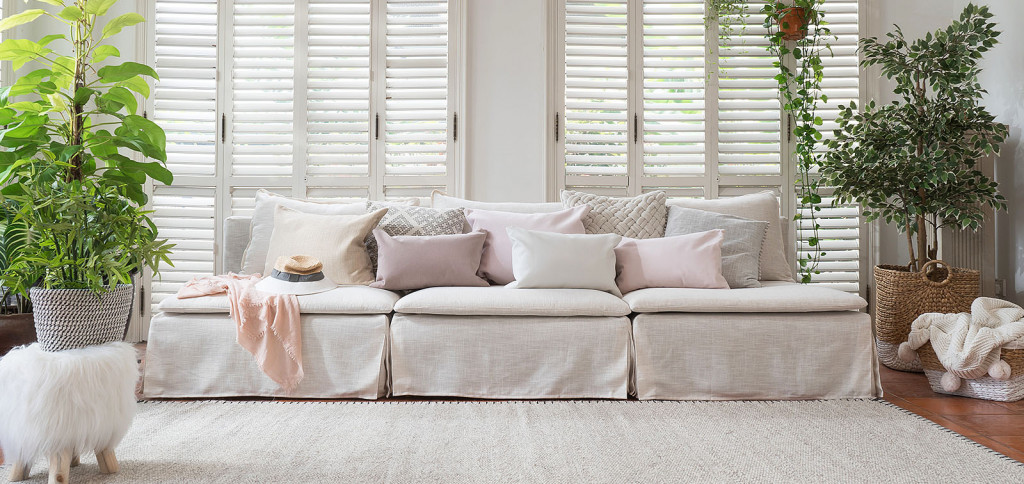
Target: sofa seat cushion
(772, 297)
(343, 300)
(503, 301)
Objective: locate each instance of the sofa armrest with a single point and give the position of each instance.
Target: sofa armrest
(236, 239)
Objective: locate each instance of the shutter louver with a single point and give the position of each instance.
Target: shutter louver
(597, 125)
(338, 99)
(185, 106)
(416, 114)
(673, 97)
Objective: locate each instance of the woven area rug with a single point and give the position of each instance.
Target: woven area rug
(558, 441)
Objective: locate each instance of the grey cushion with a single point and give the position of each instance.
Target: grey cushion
(410, 220)
(639, 217)
(741, 249)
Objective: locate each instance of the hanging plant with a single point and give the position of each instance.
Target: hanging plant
(799, 79)
(726, 14)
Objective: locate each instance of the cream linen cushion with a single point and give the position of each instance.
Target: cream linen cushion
(440, 200)
(542, 260)
(262, 226)
(771, 297)
(342, 300)
(337, 240)
(640, 217)
(761, 206)
(506, 301)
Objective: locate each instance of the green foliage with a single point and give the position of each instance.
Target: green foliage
(914, 162)
(800, 74)
(726, 14)
(72, 193)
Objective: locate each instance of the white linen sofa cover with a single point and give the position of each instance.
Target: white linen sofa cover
(757, 356)
(195, 355)
(342, 300)
(771, 297)
(503, 357)
(503, 301)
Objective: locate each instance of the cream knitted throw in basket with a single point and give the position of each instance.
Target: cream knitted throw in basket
(970, 345)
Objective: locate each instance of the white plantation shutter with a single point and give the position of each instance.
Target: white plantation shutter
(596, 121)
(710, 120)
(416, 110)
(840, 233)
(302, 86)
(185, 106)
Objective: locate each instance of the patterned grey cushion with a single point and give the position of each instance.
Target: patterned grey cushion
(410, 220)
(741, 249)
(640, 217)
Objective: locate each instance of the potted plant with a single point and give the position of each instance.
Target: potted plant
(16, 326)
(793, 21)
(71, 124)
(914, 161)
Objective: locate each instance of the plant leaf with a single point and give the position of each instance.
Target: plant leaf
(20, 18)
(118, 23)
(71, 13)
(98, 7)
(125, 71)
(104, 51)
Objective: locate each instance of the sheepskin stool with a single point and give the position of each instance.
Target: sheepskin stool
(60, 405)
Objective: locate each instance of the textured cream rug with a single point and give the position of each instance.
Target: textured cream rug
(561, 441)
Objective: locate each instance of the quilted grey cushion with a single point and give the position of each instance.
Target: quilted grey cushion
(741, 249)
(409, 220)
(640, 217)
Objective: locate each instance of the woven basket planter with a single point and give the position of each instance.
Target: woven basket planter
(985, 388)
(67, 319)
(901, 296)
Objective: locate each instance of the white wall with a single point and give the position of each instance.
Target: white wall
(1003, 77)
(506, 99)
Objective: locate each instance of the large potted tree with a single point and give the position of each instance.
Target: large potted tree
(71, 129)
(914, 163)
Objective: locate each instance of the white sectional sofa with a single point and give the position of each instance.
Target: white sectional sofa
(780, 341)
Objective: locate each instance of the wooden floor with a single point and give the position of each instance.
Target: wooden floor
(996, 425)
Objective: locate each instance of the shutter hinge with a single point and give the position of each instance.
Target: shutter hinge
(142, 301)
(145, 114)
(636, 128)
(376, 126)
(223, 127)
(789, 128)
(557, 116)
(455, 126)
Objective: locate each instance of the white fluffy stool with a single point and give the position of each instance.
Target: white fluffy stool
(63, 404)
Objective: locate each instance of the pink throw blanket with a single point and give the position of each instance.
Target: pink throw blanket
(267, 324)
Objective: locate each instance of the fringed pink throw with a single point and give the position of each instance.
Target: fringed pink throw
(267, 324)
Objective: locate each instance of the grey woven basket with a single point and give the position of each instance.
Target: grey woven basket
(67, 319)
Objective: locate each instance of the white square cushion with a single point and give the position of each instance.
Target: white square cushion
(771, 297)
(504, 301)
(343, 300)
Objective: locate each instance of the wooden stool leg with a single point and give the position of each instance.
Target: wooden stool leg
(74, 461)
(60, 467)
(108, 461)
(20, 471)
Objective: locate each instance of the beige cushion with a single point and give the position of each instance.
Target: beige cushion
(772, 297)
(337, 240)
(343, 300)
(503, 301)
(639, 217)
(440, 200)
(761, 206)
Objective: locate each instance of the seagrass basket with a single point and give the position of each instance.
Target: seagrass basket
(901, 296)
(986, 387)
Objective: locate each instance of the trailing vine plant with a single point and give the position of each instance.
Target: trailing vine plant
(799, 79)
(717, 10)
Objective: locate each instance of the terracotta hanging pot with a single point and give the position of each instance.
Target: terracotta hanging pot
(793, 23)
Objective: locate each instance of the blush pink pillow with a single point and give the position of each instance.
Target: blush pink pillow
(691, 260)
(406, 262)
(496, 264)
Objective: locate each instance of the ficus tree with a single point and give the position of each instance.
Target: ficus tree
(914, 162)
(77, 153)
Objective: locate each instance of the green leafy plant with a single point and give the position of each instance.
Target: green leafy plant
(800, 75)
(14, 237)
(726, 14)
(71, 125)
(913, 162)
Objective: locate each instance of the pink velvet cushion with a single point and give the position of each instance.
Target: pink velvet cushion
(407, 262)
(496, 264)
(692, 260)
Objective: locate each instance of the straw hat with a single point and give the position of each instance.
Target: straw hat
(298, 275)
